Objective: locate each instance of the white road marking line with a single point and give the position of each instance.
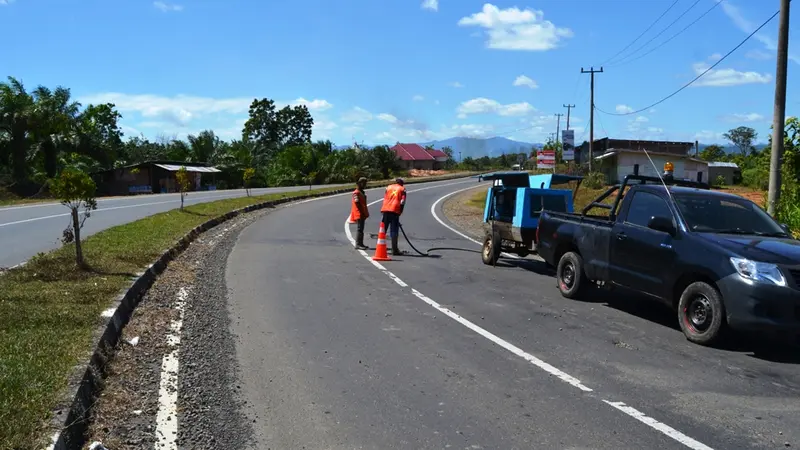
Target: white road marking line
(663, 428)
(167, 415)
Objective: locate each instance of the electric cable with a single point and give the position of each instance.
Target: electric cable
(623, 62)
(697, 77)
(659, 33)
(643, 33)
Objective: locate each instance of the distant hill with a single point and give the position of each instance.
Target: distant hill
(476, 148)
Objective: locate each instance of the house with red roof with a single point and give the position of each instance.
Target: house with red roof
(414, 156)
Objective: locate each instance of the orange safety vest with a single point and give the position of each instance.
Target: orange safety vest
(359, 198)
(394, 199)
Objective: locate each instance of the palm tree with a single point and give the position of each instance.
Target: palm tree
(55, 117)
(16, 110)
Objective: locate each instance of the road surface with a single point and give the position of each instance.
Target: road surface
(335, 351)
(26, 230)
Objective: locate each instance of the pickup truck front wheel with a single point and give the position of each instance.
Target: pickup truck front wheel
(570, 275)
(701, 314)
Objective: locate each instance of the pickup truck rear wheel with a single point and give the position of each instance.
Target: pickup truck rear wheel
(701, 314)
(491, 249)
(570, 275)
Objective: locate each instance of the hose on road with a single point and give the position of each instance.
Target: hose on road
(427, 253)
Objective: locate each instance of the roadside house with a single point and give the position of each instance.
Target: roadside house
(729, 171)
(151, 177)
(414, 156)
(617, 157)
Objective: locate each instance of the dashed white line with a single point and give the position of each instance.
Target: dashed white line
(569, 379)
(167, 415)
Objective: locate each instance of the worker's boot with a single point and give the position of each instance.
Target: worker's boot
(360, 241)
(395, 251)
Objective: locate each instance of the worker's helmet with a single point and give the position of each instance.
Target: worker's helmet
(362, 180)
(399, 181)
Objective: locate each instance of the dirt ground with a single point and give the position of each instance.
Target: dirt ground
(465, 211)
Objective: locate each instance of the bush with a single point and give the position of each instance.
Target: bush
(756, 178)
(594, 180)
(719, 181)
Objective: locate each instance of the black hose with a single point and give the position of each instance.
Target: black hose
(435, 248)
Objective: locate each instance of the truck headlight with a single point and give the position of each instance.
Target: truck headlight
(759, 271)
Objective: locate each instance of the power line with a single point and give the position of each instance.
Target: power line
(697, 77)
(662, 31)
(643, 32)
(623, 62)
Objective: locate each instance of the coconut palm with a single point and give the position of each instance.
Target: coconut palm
(16, 112)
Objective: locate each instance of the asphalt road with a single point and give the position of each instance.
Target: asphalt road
(335, 351)
(29, 229)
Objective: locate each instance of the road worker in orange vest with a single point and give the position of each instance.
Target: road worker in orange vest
(394, 201)
(359, 211)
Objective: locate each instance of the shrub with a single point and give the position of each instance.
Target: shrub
(594, 180)
(719, 181)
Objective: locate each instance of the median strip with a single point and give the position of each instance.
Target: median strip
(51, 314)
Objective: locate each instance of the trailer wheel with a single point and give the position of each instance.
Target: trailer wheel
(491, 249)
(570, 276)
(701, 314)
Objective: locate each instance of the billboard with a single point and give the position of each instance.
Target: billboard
(546, 159)
(568, 143)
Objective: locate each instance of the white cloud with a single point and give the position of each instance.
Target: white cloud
(6, 2)
(727, 77)
(322, 128)
(652, 111)
(750, 117)
(456, 84)
(432, 5)
(641, 119)
(418, 98)
(313, 105)
(516, 29)
(715, 57)
(522, 80)
(167, 7)
(357, 115)
(483, 105)
(709, 136)
(624, 109)
(759, 55)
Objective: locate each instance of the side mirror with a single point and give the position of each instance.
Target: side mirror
(662, 224)
(786, 228)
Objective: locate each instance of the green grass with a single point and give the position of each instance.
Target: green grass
(49, 309)
(477, 200)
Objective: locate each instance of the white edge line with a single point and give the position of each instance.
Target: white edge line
(662, 427)
(167, 415)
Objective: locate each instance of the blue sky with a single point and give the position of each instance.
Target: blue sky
(382, 71)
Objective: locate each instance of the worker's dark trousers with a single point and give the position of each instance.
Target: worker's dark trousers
(360, 231)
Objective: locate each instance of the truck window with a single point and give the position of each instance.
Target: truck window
(711, 214)
(645, 205)
(556, 203)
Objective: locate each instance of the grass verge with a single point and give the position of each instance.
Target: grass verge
(49, 310)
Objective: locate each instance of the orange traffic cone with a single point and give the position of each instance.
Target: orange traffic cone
(352, 219)
(380, 249)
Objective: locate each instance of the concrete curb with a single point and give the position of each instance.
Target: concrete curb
(84, 393)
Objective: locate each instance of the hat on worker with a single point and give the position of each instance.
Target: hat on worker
(399, 181)
(362, 180)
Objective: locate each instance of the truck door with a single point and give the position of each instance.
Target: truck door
(641, 258)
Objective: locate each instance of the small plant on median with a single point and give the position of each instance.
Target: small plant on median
(247, 177)
(76, 190)
(594, 180)
(184, 183)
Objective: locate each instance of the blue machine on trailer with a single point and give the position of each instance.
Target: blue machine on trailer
(513, 206)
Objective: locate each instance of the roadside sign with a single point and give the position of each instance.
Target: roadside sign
(546, 159)
(568, 141)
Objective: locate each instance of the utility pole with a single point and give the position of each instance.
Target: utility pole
(558, 127)
(569, 107)
(591, 71)
(779, 111)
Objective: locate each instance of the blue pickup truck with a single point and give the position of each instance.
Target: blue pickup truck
(719, 260)
(514, 203)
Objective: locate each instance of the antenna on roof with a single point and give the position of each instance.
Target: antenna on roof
(669, 194)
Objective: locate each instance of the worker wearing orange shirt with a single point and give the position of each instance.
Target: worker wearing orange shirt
(394, 201)
(359, 211)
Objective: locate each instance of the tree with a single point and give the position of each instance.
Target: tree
(713, 153)
(204, 147)
(76, 190)
(743, 138)
(384, 160)
(16, 113)
(53, 125)
(99, 135)
(294, 125)
(247, 177)
(262, 129)
(184, 182)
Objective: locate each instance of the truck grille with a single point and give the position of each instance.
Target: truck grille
(795, 273)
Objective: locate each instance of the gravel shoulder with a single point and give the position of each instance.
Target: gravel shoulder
(124, 417)
(462, 214)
